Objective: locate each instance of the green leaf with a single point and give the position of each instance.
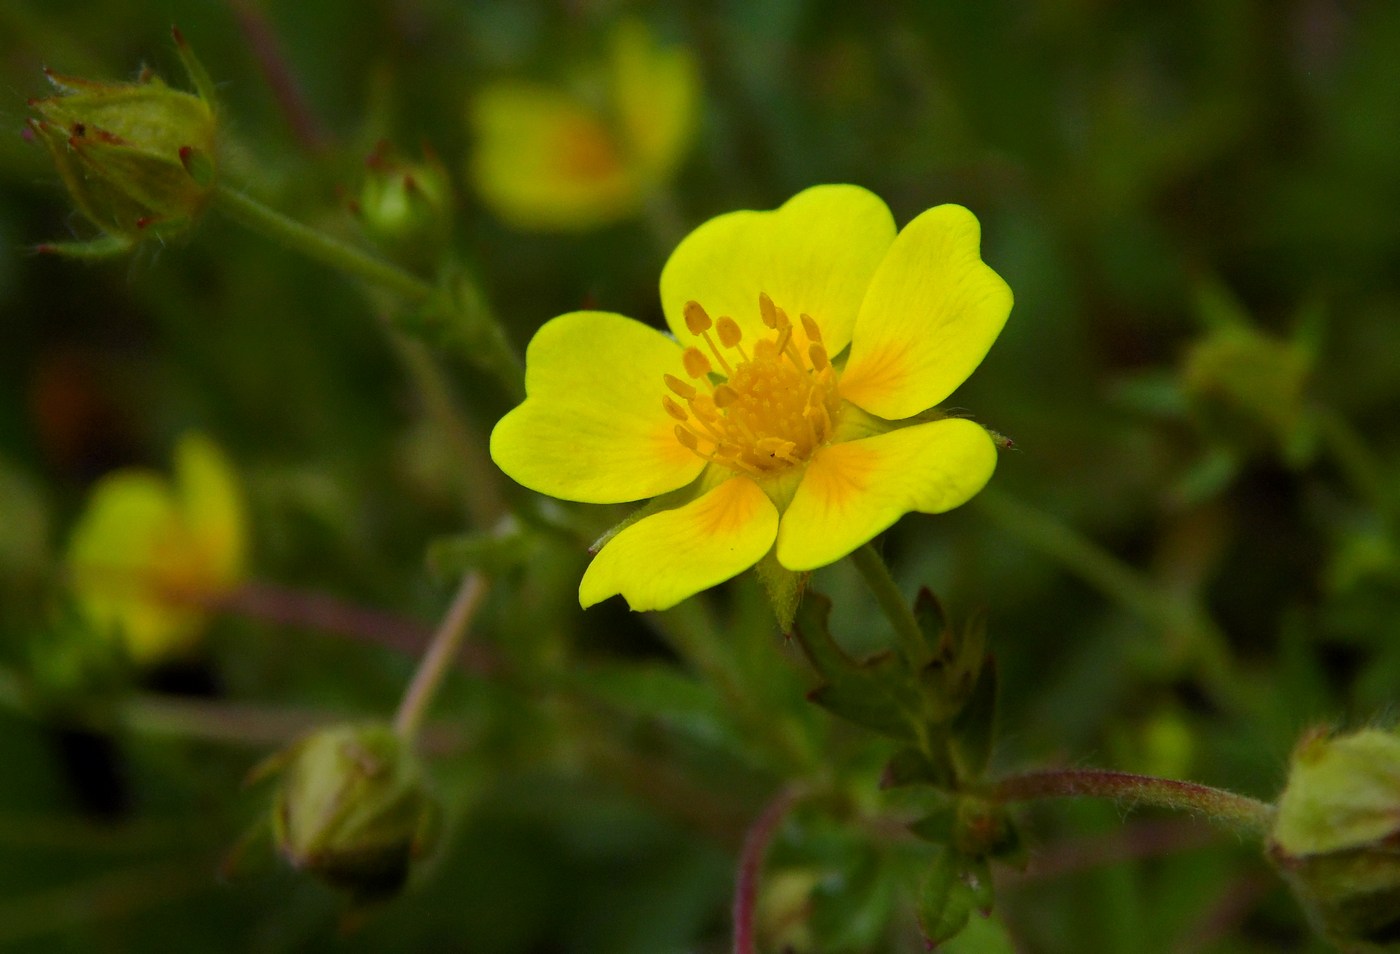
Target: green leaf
(911, 766)
(876, 694)
(974, 728)
(947, 899)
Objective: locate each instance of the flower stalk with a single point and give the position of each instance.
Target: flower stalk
(326, 249)
(1239, 812)
(447, 642)
(751, 856)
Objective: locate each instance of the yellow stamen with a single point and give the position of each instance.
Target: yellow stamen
(728, 330)
(679, 387)
(673, 409)
(696, 319)
(696, 364)
(766, 311)
(772, 410)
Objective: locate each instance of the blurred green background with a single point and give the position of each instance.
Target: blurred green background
(1189, 557)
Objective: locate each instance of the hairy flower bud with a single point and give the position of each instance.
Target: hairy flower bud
(1336, 837)
(353, 809)
(405, 207)
(138, 159)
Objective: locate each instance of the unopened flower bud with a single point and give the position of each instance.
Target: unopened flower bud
(353, 809)
(138, 158)
(1336, 837)
(405, 207)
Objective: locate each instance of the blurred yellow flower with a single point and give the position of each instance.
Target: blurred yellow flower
(148, 555)
(545, 159)
(774, 432)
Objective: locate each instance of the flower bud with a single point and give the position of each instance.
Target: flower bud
(405, 207)
(1336, 837)
(353, 809)
(138, 158)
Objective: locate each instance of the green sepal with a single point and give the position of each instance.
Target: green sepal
(783, 587)
(946, 900)
(104, 246)
(875, 693)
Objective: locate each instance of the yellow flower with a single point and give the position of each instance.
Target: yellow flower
(803, 435)
(147, 556)
(549, 160)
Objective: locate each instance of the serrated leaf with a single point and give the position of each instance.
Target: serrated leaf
(910, 766)
(876, 694)
(973, 730)
(928, 612)
(937, 826)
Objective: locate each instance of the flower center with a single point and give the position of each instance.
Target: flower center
(775, 405)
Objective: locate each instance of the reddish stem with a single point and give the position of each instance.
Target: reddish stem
(1236, 811)
(277, 70)
(756, 842)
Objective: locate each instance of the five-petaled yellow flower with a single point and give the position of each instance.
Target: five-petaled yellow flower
(550, 159)
(149, 554)
(794, 411)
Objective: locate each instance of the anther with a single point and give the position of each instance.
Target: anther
(688, 439)
(696, 319)
(728, 330)
(725, 396)
(766, 310)
(813, 332)
(696, 364)
(818, 355)
(678, 386)
(672, 408)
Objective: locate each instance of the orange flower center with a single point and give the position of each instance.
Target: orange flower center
(774, 406)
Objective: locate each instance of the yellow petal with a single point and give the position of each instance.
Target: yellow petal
(128, 548)
(932, 312)
(853, 491)
(543, 160)
(656, 91)
(212, 509)
(815, 254)
(592, 427)
(662, 559)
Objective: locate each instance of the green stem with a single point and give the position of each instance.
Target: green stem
(893, 604)
(324, 248)
(1226, 808)
(446, 644)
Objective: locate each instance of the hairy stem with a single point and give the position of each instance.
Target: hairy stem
(1239, 812)
(324, 248)
(756, 843)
